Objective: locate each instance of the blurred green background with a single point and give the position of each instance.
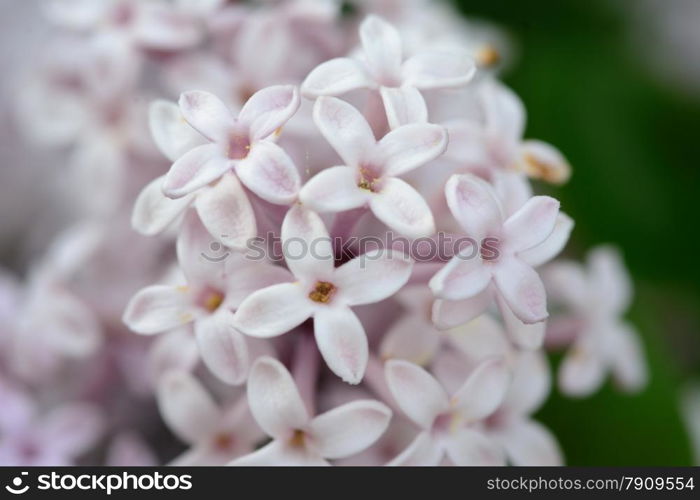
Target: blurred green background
(633, 142)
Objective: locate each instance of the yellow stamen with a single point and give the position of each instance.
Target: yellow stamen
(322, 292)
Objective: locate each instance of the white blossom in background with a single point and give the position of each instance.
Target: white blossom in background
(240, 173)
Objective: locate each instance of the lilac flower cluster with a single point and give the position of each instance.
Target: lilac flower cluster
(294, 120)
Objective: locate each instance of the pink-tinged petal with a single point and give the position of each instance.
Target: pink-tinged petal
(423, 451)
(159, 308)
(269, 172)
(269, 109)
(481, 339)
(567, 283)
(153, 211)
(199, 262)
(160, 27)
(609, 279)
(273, 310)
(582, 371)
(194, 170)
(171, 133)
(416, 392)
(504, 111)
(251, 276)
(335, 77)
(463, 277)
(345, 129)
(438, 70)
(381, 44)
(468, 144)
(279, 454)
(629, 367)
(17, 408)
(226, 212)
(75, 14)
(333, 189)
(451, 313)
(207, 114)
(372, 276)
(469, 447)
(531, 384)
(526, 336)
(540, 160)
(403, 105)
(76, 330)
(173, 351)
(72, 430)
(522, 289)
(483, 392)
(342, 342)
(530, 444)
(274, 399)
(473, 203)
(411, 340)
(512, 189)
(349, 429)
(222, 347)
(307, 245)
(128, 449)
(532, 224)
(403, 209)
(411, 146)
(552, 246)
(187, 408)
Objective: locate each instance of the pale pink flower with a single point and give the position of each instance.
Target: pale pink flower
(213, 291)
(501, 242)
(128, 449)
(297, 438)
(492, 138)
(449, 426)
(370, 174)
(324, 293)
(215, 435)
(56, 437)
(381, 67)
(601, 341)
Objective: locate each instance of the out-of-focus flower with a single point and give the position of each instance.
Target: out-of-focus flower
(299, 439)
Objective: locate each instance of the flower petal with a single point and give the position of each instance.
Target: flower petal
(582, 370)
(349, 429)
(159, 308)
(372, 276)
(462, 277)
(411, 340)
(610, 279)
(342, 341)
(540, 160)
(222, 347)
(269, 109)
(522, 289)
(226, 212)
(274, 399)
(504, 111)
(411, 146)
(469, 447)
(273, 310)
(199, 254)
(280, 455)
(416, 392)
(206, 113)
(195, 169)
(345, 129)
(72, 429)
(153, 211)
(333, 189)
(530, 444)
(438, 69)
(628, 364)
(475, 206)
(335, 77)
(173, 351)
(532, 224)
(451, 313)
(423, 451)
(403, 105)
(171, 133)
(307, 247)
(187, 408)
(552, 246)
(403, 209)
(381, 44)
(483, 391)
(526, 336)
(269, 172)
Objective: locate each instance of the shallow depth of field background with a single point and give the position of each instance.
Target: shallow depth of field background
(615, 84)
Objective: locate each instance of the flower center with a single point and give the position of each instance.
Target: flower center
(298, 439)
(490, 249)
(323, 292)
(211, 299)
(224, 441)
(238, 146)
(488, 56)
(368, 179)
